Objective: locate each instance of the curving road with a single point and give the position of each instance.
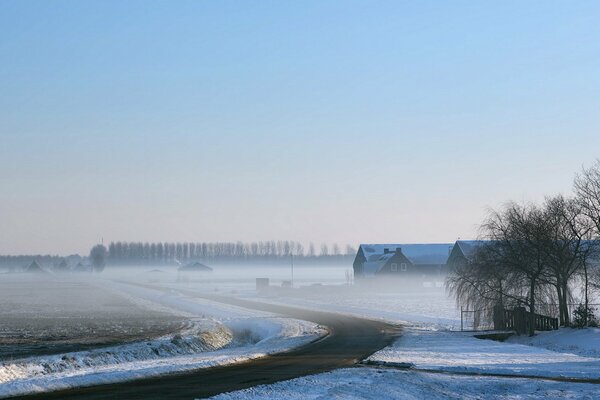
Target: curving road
(351, 340)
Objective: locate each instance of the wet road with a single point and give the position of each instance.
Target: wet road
(351, 340)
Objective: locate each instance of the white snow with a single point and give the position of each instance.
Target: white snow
(425, 307)
(461, 352)
(430, 343)
(234, 333)
(583, 342)
(376, 384)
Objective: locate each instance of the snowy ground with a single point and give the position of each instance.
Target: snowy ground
(372, 383)
(436, 351)
(430, 340)
(407, 304)
(583, 342)
(431, 345)
(461, 352)
(425, 307)
(216, 335)
(57, 314)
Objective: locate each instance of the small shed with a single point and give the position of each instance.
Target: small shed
(80, 267)
(34, 268)
(194, 271)
(195, 267)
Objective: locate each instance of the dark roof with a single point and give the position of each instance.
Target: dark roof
(82, 268)
(196, 266)
(34, 267)
(468, 247)
(434, 253)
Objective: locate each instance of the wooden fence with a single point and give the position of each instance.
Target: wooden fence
(520, 320)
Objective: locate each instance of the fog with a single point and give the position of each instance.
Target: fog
(60, 325)
(49, 309)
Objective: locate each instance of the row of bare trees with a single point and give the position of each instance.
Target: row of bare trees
(161, 253)
(536, 255)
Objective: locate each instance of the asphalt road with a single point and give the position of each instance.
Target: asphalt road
(351, 340)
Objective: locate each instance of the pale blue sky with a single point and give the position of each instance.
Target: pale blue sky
(336, 121)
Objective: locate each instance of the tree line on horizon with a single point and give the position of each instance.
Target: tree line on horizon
(136, 253)
(541, 256)
(20, 261)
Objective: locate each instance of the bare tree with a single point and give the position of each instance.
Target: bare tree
(335, 249)
(350, 250)
(565, 247)
(311, 249)
(517, 234)
(481, 283)
(587, 191)
(98, 256)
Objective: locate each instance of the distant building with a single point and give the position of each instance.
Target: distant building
(34, 268)
(463, 251)
(193, 271)
(417, 260)
(81, 267)
(62, 266)
(195, 267)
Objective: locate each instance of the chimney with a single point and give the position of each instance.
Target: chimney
(385, 251)
(398, 250)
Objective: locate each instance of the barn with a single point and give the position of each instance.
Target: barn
(463, 251)
(416, 260)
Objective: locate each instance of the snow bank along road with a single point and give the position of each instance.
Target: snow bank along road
(351, 340)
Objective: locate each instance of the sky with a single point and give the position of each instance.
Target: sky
(317, 121)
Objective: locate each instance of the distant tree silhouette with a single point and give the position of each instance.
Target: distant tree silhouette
(98, 257)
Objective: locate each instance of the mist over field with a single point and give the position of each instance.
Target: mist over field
(299, 200)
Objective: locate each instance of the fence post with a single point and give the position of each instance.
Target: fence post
(519, 320)
(499, 319)
(461, 318)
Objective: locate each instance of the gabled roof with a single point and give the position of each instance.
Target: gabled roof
(435, 253)
(468, 247)
(34, 267)
(195, 266)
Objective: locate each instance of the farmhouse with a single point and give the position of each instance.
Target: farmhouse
(418, 260)
(193, 271)
(462, 251)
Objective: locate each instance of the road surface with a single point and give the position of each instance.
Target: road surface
(351, 340)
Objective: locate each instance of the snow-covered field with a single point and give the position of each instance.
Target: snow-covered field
(437, 351)
(425, 307)
(405, 302)
(376, 384)
(216, 335)
(583, 342)
(461, 352)
(57, 314)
